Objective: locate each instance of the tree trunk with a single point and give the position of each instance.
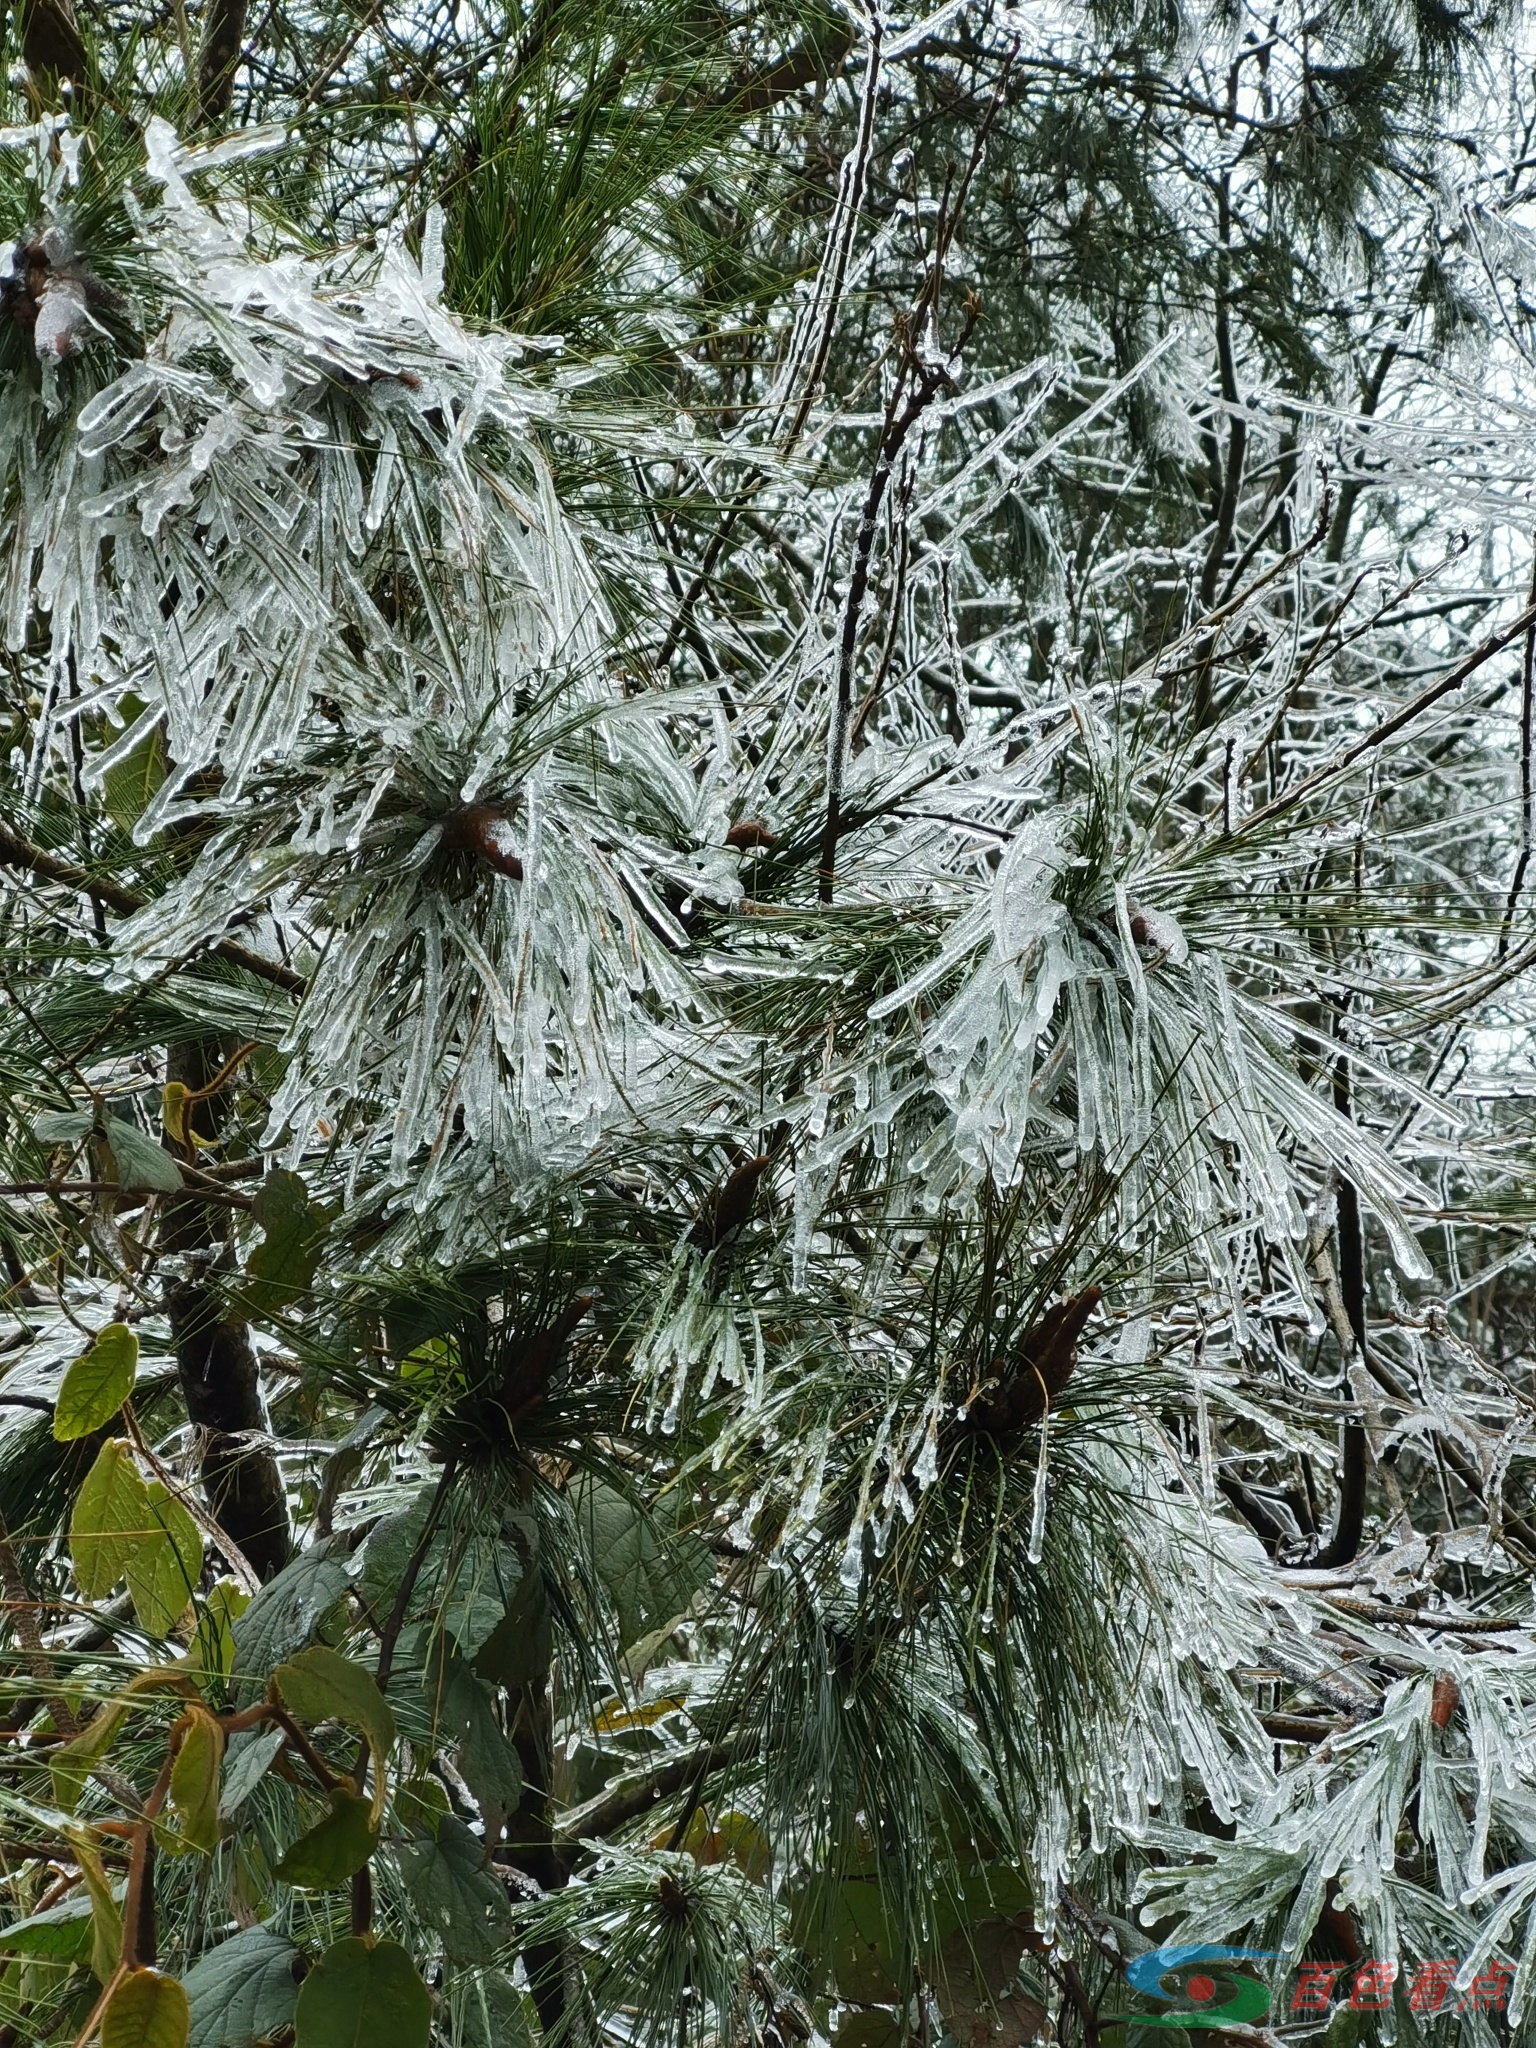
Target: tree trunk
(222, 37)
(215, 1358)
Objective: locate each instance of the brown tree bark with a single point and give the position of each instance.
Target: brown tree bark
(223, 34)
(215, 1359)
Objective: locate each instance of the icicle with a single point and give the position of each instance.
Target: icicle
(1036, 1549)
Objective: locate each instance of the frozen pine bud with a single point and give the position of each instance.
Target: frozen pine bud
(486, 831)
(751, 833)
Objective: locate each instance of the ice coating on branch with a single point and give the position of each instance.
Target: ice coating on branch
(344, 621)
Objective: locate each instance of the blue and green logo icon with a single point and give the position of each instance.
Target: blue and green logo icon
(1207, 1994)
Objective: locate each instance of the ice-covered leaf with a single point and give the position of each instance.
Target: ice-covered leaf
(285, 1614)
(141, 1161)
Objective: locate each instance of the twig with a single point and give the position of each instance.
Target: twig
(1347, 756)
(39, 1663)
(223, 1198)
(17, 851)
(1413, 1617)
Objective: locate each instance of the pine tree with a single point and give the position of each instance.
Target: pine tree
(766, 857)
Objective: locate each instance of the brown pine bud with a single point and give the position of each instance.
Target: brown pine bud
(751, 834)
(1027, 1385)
(1444, 1700)
(730, 1205)
(484, 830)
(526, 1384)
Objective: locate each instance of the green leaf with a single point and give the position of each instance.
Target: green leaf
(63, 1126)
(650, 1569)
(142, 1162)
(249, 1758)
(127, 788)
(282, 1266)
(486, 2010)
(743, 1842)
(72, 1763)
(464, 1586)
(975, 1977)
(363, 1994)
(859, 1944)
(420, 1805)
(336, 1847)
(215, 1645)
(487, 1761)
(164, 1569)
(195, 1781)
(517, 1650)
(146, 2010)
(318, 1685)
(106, 1916)
(62, 1932)
(289, 1608)
(111, 1519)
(874, 2028)
(454, 1893)
(97, 1384)
(243, 1991)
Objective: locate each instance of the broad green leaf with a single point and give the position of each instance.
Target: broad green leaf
(147, 2010)
(73, 1761)
(318, 1685)
(486, 2010)
(858, 1945)
(285, 1614)
(282, 1266)
(243, 1991)
(446, 1706)
(111, 1519)
(127, 787)
(650, 1568)
(164, 1569)
(975, 1978)
(454, 1893)
(386, 1555)
(142, 1162)
(62, 1932)
(744, 1844)
(420, 1805)
(464, 1585)
(333, 1849)
(106, 1917)
(487, 1761)
(97, 1384)
(249, 1758)
(363, 1994)
(195, 1781)
(872, 2028)
(215, 1645)
(63, 1126)
(517, 1650)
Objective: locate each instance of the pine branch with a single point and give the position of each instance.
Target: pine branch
(19, 852)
